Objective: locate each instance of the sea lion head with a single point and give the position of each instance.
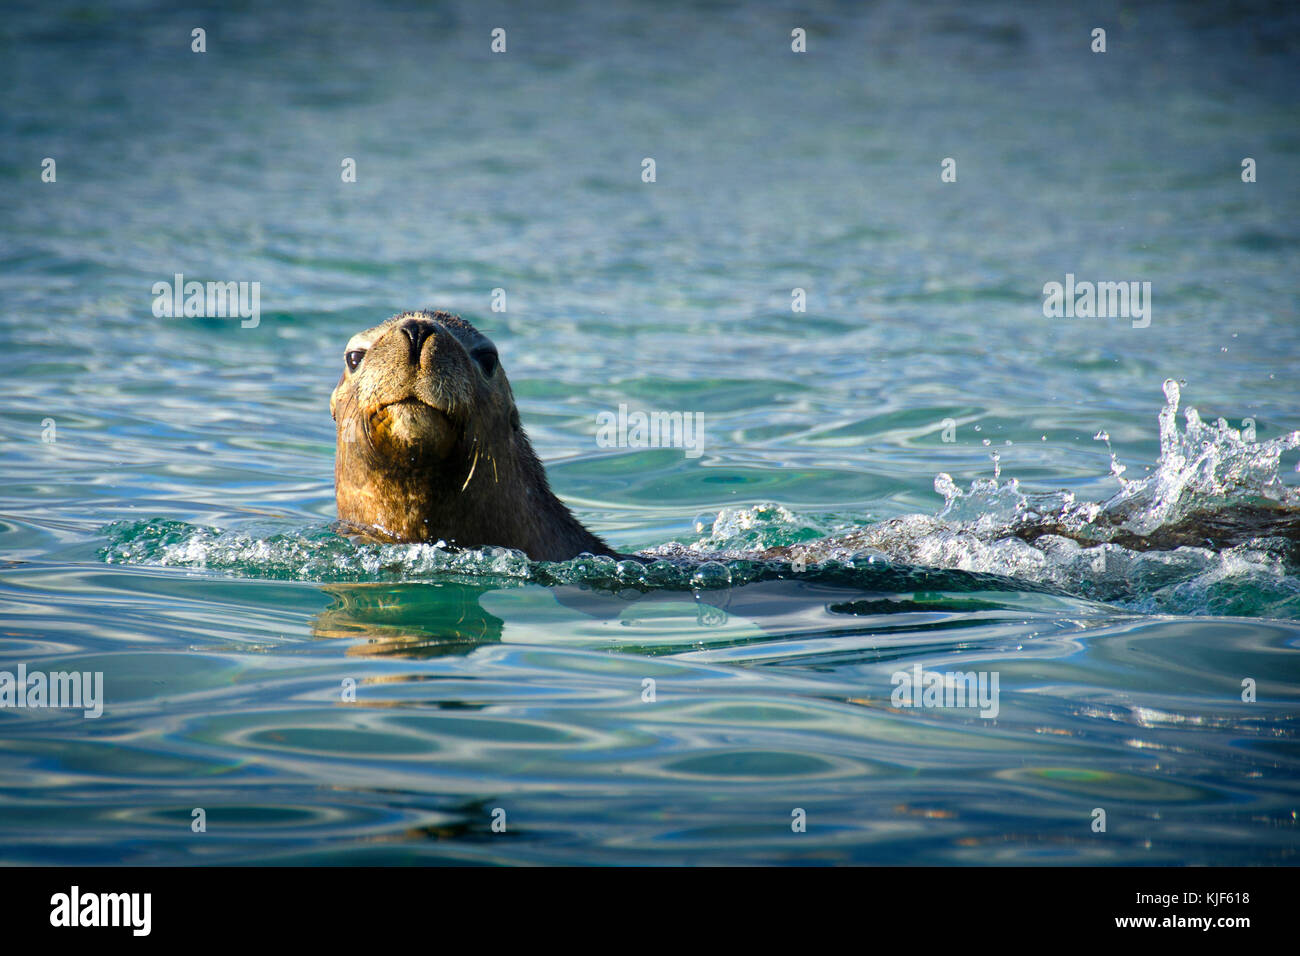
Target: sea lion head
(414, 387)
(430, 446)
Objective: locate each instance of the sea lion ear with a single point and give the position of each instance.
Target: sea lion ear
(334, 396)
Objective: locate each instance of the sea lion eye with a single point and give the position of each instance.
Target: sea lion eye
(487, 360)
(353, 359)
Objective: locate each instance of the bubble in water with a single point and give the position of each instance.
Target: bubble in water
(711, 575)
(867, 559)
(631, 572)
(583, 565)
(662, 574)
(703, 522)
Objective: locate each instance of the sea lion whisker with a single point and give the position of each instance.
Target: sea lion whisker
(351, 404)
(471, 471)
(365, 422)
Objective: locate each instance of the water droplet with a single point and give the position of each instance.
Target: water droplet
(944, 485)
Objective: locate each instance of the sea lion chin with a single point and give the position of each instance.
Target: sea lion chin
(415, 429)
(431, 448)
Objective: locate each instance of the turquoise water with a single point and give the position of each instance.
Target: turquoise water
(176, 534)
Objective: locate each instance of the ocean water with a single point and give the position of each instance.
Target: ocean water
(166, 484)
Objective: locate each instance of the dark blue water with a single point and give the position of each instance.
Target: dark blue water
(166, 484)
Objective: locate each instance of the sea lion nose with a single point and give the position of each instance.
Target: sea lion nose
(417, 332)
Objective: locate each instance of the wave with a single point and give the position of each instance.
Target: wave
(1212, 530)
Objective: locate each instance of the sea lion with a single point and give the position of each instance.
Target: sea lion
(430, 446)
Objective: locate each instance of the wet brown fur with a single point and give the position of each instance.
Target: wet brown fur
(430, 446)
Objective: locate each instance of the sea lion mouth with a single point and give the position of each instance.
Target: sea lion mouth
(410, 401)
(412, 404)
(411, 424)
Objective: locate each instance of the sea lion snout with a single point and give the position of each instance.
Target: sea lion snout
(413, 357)
(416, 331)
(402, 382)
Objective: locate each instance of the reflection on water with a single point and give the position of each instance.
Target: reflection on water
(419, 620)
(395, 720)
